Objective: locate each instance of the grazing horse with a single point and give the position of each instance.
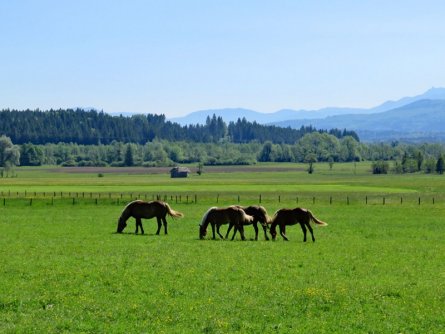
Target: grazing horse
(220, 216)
(140, 209)
(300, 216)
(259, 214)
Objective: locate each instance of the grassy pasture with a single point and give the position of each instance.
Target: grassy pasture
(375, 269)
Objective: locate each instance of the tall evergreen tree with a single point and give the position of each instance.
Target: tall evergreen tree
(129, 159)
(440, 166)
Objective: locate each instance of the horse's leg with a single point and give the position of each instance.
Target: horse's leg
(311, 230)
(219, 233)
(159, 225)
(234, 232)
(213, 230)
(228, 231)
(241, 231)
(255, 227)
(139, 224)
(165, 225)
(283, 232)
(265, 233)
(142, 229)
(303, 227)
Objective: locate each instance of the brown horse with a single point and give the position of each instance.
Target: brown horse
(300, 216)
(140, 209)
(259, 214)
(220, 216)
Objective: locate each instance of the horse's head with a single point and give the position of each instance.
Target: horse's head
(121, 224)
(202, 231)
(273, 231)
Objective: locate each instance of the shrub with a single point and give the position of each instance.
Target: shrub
(380, 167)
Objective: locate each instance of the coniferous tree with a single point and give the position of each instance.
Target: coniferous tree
(440, 166)
(129, 159)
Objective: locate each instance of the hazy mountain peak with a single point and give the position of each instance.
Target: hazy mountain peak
(435, 93)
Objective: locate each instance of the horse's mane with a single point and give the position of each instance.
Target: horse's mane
(204, 218)
(126, 206)
(268, 218)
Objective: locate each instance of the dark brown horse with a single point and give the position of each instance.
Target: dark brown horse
(300, 216)
(140, 209)
(259, 214)
(220, 216)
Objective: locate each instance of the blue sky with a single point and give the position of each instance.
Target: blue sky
(176, 57)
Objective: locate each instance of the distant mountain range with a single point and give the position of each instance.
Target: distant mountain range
(417, 118)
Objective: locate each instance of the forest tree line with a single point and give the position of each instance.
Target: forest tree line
(311, 148)
(218, 145)
(94, 128)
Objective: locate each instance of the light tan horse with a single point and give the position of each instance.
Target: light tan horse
(220, 216)
(284, 217)
(259, 213)
(141, 209)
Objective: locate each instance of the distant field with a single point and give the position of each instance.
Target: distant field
(272, 179)
(377, 268)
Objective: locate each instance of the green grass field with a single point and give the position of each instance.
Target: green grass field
(377, 268)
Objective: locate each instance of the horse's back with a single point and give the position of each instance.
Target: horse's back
(225, 215)
(142, 209)
(257, 211)
(284, 216)
(291, 216)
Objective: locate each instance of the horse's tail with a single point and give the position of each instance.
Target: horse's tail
(173, 213)
(204, 218)
(317, 221)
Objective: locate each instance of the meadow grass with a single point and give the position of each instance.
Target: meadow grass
(374, 269)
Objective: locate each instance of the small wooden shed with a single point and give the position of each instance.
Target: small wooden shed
(179, 172)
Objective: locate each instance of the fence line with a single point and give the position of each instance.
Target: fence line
(122, 198)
